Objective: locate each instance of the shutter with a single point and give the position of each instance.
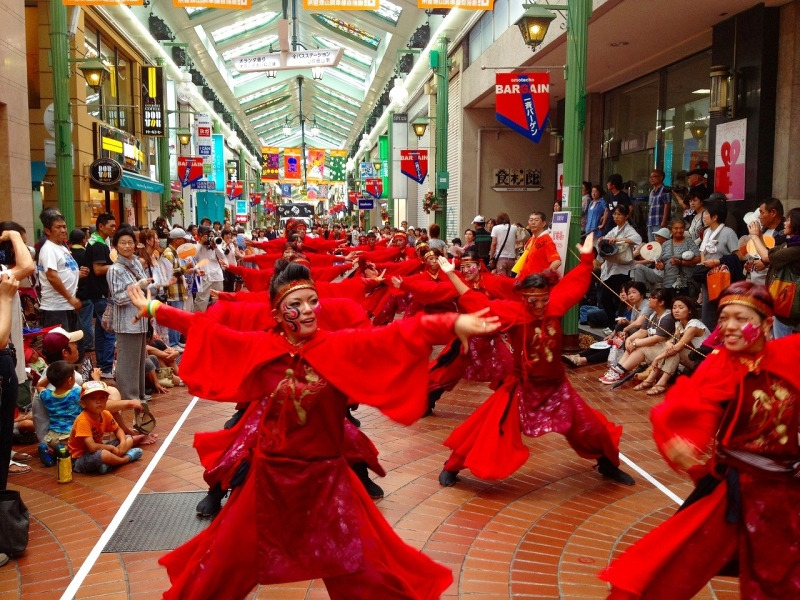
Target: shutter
(454, 142)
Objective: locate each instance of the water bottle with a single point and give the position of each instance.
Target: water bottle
(64, 465)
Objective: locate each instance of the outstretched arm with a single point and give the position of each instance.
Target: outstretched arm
(449, 269)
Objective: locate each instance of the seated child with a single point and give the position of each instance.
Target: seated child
(89, 453)
(61, 402)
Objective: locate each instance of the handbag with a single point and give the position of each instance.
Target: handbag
(107, 321)
(14, 523)
(783, 289)
(717, 280)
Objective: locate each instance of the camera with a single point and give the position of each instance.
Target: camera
(680, 189)
(211, 242)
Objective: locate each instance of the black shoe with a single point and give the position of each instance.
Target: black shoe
(230, 423)
(212, 503)
(349, 415)
(448, 478)
(607, 469)
(433, 397)
(373, 489)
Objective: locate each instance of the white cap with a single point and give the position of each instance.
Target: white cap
(478, 219)
(179, 234)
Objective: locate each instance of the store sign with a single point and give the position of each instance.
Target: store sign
(203, 135)
(223, 4)
(374, 186)
(731, 145)
(367, 169)
(234, 189)
(559, 232)
(367, 204)
(414, 164)
(517, 180)
(523, 102)
(120, 146)
(301, 59)
(153, 116)
(341, 4)
(103, 2)
(464, 4)
(105, 172)
(204, 184)
(354, 197)
(190, 169)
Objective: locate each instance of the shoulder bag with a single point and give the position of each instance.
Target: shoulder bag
(500, 251)
(783, 284)
(14, 523)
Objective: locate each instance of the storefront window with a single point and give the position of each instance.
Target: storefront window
(660, 120)
(113, 104)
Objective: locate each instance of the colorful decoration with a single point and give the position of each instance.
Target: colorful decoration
(336, 165)
(292, 164)
(429, 203)
(271, 157)
(316, 164)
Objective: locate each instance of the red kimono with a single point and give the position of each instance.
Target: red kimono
(744, 411)
(536, 398)
(301, 512)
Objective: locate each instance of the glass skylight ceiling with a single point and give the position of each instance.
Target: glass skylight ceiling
(243, 26)
(351, 54)
(261, 93)
(250, 47)
(390, 12)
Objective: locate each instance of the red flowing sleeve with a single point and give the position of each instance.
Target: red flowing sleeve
(262, 261)
(383, 255)
(321, 244)
(569, 291)
(255, 280)
(429, 292)
(329, 273)
(386, 364)
(272, 246)
(354, 289)
(499, 287)
(324, 260)
(242, 316)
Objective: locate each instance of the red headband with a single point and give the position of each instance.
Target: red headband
(293, 286)
(757, 305)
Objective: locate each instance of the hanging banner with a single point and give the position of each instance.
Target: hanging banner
(234, 189)
(374, 186)
(286, 190)
(465, 4)
(153, 118)
(205, 142)
(217, 172)
(366, 169)
(341, 4)
(731, 144)
(271, 161)
(523, 102)
(414, 164)
(336, 165)
(292, 164)
(229, 4)
(190, 169)
(315, 164)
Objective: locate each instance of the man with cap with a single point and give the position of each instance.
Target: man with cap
(646, 256)
(213, 263)
(60, 344)
(98, 257)
(696, 178)
(177, 292)
(483, 239)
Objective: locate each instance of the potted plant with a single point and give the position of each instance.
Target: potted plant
(430, 203)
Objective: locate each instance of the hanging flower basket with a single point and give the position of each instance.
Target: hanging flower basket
(173, 205)
(430, 203)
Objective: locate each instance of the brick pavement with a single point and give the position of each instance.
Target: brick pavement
(542, 533)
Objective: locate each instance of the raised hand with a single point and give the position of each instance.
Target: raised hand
(445, 265)
(588, 244)
(475, 324)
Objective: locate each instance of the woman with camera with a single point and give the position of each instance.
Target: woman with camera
(211, 263)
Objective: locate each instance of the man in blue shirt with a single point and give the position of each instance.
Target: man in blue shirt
(659, 203)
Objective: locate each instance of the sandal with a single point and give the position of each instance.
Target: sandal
(21, 456)
(645, 385)
(657, 390)
(16, 468)
(572, 360)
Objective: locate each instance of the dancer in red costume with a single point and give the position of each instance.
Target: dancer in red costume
(733, 426)
(535, 397)
(301, 513)
(487, 357)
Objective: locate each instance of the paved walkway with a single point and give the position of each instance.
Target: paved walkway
(542, 534)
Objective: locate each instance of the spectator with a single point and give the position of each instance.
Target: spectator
(77, 246)
(61, 402)
(161, 227)
(586, 198)
(177, 291)
(719, 243)
(659, 204)
(58, 276)
(522, 237)
(678, 256)
(770, 215)
(645, 269)
(697, 184)
(597, 214)
(616, 197)
(435, 242)
(542, 252)
(131, 331)
(502, 253)
(644, 344)
(85, 444)
(98, 256)
(210, 275)
(490, 225)
(9, 299)
(616, 251)
(230, 282)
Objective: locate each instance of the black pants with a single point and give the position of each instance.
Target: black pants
(609, 298)
(68, 319)
(8, 402)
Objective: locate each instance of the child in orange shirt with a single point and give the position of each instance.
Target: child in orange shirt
(89, 453)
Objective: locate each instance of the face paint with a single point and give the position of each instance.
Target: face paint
(290, 316)
(750, 333)
(317, 308)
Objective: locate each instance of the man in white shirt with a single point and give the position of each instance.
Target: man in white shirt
(210, 263)
(58, 276)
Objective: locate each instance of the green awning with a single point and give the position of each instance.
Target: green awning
(134, 181)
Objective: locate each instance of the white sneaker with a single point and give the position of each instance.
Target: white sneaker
(611, 376)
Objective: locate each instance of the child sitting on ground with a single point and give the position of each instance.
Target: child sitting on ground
(89, 453)
(61, 403)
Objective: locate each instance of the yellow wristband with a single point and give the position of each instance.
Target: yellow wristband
(152, 307)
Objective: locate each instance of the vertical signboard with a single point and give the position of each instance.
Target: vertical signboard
(153, 117)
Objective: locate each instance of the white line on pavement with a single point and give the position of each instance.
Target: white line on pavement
(660, 486)
(87, 565)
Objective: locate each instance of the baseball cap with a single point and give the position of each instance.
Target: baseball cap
(203, 229)
(478, 219)
(179, 234)
(59, 338)
(94, 387)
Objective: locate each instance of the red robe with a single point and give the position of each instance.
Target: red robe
(301, 513)
(536, 397)
(727, 405)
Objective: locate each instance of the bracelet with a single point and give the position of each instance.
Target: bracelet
(633, 343)
(152, 306)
